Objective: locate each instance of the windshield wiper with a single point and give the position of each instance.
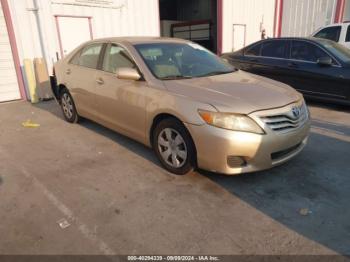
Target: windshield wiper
(214, 73)
(175, 77)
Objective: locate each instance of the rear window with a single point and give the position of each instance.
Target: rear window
(276, 49)
(330, 33)
(348, 35)
(90, 55)
(253, 50)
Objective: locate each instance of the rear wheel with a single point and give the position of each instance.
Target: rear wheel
(68, 107)
(174, 147)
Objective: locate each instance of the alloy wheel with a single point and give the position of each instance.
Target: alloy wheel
(67, 105)
(172, 147)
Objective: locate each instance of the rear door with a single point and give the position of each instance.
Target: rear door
(311, 78)
(273, 58)
(269, 59)
(120, 103)
(81, 74)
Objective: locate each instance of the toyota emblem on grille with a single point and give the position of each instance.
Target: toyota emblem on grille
(296, 112)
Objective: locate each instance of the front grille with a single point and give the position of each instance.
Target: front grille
(283, 153)
(288, 121)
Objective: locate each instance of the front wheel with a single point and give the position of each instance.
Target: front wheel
(68, 107)
(174, 147)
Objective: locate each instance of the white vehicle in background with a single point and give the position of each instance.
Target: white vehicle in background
(339, 33)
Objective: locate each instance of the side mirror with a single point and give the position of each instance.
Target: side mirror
(324, 61)
(128, 73)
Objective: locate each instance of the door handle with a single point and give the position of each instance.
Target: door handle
(253, 60)
(100, 81)
(68, 71)
(293, 65)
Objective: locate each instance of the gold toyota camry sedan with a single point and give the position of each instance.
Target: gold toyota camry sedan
(192, 108)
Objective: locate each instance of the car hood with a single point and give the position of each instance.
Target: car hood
(237, 92)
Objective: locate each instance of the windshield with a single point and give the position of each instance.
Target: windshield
(168, 61)
(338, 50)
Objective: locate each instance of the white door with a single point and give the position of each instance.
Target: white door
(73, 32)
(9, 89)
(239, 37)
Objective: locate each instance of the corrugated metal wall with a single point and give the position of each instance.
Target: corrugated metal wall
(254, 14)
(303, 17)
(36, 30)
(346, 16)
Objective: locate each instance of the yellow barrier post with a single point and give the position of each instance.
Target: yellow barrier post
(30, 76)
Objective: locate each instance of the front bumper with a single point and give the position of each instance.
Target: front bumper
(215, 146)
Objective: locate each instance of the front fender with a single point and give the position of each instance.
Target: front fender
(181, 107)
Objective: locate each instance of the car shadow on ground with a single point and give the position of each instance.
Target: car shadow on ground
(122, 140)
(309, 195)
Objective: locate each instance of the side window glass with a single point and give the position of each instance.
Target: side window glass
(276, 49)
(348, 35)
(90, 55)
(253, 51)
(306, 51)
(330, 33)
(116, 57)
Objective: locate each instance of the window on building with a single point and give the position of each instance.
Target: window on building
(330, 33)
(116, 57)
(253, 51)
(276, 49)
(90, 55)
(306, 51)
(347, 39)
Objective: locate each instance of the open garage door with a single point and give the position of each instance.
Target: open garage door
(194, 20)
(9, 89)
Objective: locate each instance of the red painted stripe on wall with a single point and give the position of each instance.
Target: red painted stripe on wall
(339, 12)
(220, 18)
(280, 18)
(275, 19)
(14, 49)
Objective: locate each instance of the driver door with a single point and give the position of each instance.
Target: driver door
(121, 104)
(312, 78)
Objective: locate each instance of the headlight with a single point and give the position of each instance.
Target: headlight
(229, 121)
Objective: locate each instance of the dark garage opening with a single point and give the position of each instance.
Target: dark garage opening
(194, 20)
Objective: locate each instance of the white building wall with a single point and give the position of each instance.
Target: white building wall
(346, 16)
(255, 14)
(36, 31)
(302, 17)
(9, 89)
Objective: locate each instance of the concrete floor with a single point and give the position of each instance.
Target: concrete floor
(118, 200)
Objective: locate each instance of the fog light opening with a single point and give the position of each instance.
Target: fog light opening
(236, 161)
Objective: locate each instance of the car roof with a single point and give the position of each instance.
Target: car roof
(312, 39)
(335, 24)
(140, 40)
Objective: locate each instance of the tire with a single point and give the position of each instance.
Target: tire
(68, 107)
(174, 147)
